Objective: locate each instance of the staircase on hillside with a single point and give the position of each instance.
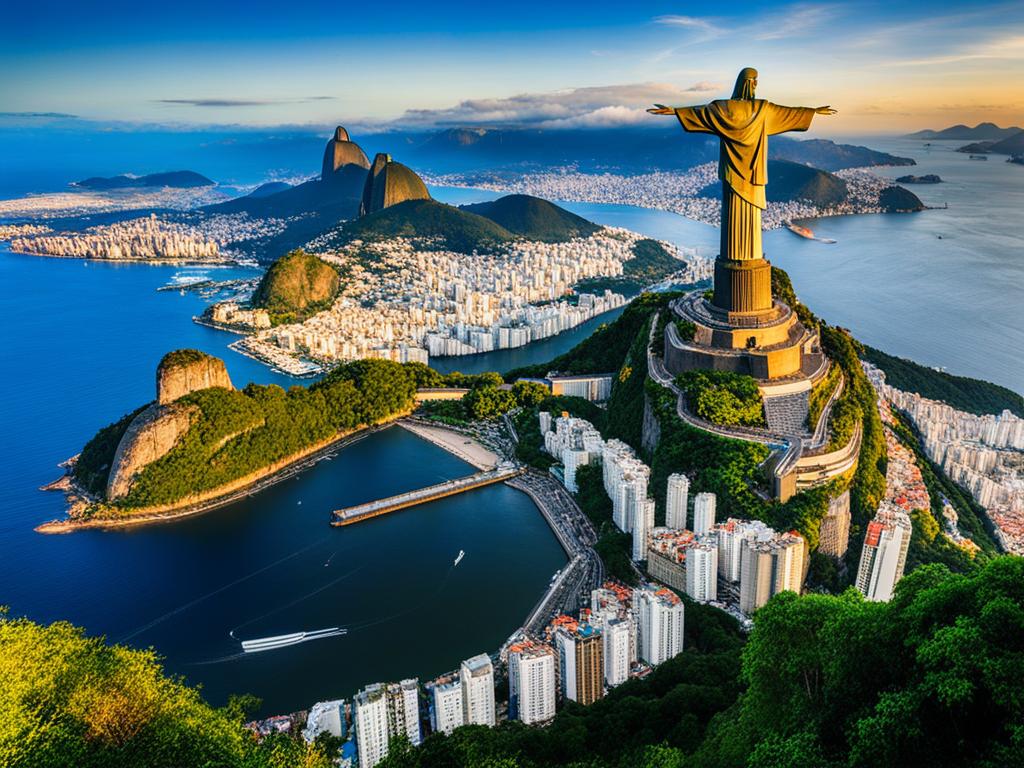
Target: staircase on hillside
(787, 413)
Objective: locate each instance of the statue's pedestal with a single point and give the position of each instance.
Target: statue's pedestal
(771, 345)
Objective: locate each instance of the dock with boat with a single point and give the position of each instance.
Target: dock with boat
(360, 512)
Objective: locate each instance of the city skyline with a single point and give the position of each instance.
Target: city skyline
(886, 69)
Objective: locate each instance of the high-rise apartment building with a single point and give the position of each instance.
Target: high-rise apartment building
(703, 513)
(404, 710)
(834, 536)
(884, 555)
(531, 679)
(701, 567)
(477, 676)
(676, 499)
(642, 525)
(660, 617)
(770, 566)
(616, 638)
(370, 721)
(446, 706)
(581, 663)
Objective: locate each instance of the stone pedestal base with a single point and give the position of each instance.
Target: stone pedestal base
(743, 286)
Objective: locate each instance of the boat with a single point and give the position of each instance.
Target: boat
(462, 554)
(294, 638)
(979, 157)
(796, 229)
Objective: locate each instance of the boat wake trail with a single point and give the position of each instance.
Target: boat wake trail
(182, 608)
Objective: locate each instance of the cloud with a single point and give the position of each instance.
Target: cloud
(578, 107)
(792, 21)
(1005, 48)
(242, 102)
(688, 22)
(42, 115)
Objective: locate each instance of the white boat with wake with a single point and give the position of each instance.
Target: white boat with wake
(283, 641)
(462, 554)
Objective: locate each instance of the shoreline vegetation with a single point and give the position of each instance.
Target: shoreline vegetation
(204, 501)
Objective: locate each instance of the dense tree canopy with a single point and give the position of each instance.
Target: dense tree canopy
(71, 700)
(723, 398)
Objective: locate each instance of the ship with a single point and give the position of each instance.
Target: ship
(796, 229)
(462, 554)
(282, 641)
(979, 157)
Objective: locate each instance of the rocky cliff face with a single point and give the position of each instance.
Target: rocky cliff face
(188, 370)
(150, 435)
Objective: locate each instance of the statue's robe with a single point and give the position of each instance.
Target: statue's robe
(743, 127)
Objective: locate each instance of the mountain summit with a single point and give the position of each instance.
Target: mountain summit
(389, 183)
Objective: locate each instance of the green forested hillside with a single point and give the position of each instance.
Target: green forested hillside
(237, 432)
(961, 392)
(458, 230)
(296, 286)
(534, 218)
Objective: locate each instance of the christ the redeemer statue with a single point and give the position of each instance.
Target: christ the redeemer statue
(743, 125)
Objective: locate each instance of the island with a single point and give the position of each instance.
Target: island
(175, 179)
(928, 178)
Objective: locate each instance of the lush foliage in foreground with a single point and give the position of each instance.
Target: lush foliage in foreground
(70, 700)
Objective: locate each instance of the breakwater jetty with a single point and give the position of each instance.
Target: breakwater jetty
(360, 512)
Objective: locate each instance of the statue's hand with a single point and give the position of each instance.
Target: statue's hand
(826, 110)
(661, 109)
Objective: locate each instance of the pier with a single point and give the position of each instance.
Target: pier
(361, 512)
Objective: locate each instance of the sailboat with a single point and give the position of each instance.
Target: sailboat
(462, 554)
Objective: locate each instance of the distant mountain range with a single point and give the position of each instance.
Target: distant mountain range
(980, 132)
(176, 179)
(619, 150)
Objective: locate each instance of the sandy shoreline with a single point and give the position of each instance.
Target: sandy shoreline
(456, 443)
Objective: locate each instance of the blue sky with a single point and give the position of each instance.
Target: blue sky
(885, 65)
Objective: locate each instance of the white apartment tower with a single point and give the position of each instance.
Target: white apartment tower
(703, 513)
(660, 614)
(884, 554)
(370, 721)
(641, 528)
(617, 637)
(477, 677)
(702, 570)
(676, 500)
(446, 713)
(531, 678)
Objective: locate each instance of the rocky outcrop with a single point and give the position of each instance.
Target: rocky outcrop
(188, 370)
(342, 153)
(151, 434)
(389, 183)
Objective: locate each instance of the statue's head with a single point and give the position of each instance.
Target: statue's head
(746, 84)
